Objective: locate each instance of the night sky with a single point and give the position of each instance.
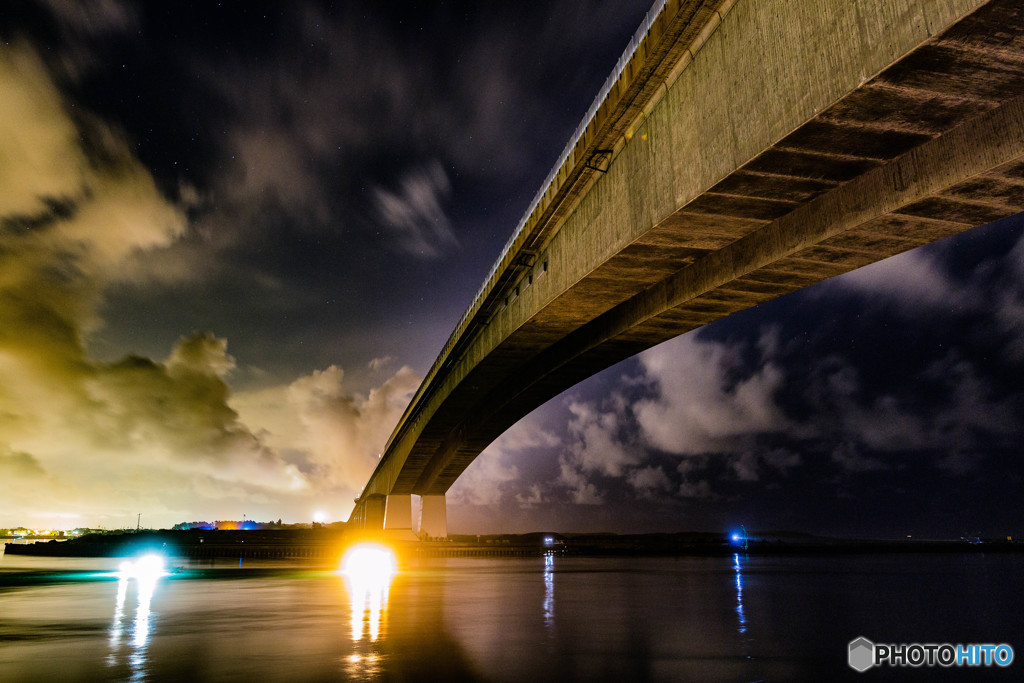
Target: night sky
(235, 235)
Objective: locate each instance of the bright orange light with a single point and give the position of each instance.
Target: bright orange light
(368, 562)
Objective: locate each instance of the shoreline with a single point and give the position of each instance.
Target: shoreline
(323, 544)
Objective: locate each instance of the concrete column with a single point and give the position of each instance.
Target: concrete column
(434, 517)
(373, 512)
(398, 513)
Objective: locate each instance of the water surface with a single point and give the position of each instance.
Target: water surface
(547, 618)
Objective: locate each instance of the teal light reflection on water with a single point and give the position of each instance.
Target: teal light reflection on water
(144, 575)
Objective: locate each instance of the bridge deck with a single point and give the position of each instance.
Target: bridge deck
(772, 146)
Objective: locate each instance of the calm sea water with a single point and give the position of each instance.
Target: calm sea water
(735, 618)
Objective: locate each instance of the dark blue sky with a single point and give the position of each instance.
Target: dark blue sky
(234, 235)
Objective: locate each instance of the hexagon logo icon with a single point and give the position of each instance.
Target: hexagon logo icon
(862, 654)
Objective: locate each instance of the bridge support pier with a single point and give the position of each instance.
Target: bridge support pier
(398, 513)
(372, 513)
(434, 517)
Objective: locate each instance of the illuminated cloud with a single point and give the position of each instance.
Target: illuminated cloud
(19, 466)
(698, 406)
(42, 162)
(915, 281)
(495, 476)
(74, 205)
(596, 448)
(484, 481)
(328, 432)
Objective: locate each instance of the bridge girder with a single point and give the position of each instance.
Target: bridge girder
(716, 198)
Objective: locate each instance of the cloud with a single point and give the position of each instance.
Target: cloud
(596, 448)
(495, 476)
(87, 28)
(750, 464)
(699, 405)
(700, 400)
(17, 466)
(484, 480)
(914, 280)
(871, 429)
(850, 458)
(597, 439)
(75, 204)
(734, 413)
(93, 17)
(414, 215)
(531, 497)
(700, 489)
(274, 169)
(582, 491)
(41, 159)
(331, 434)
(1008, 290)
(201, 354)
(649, 480)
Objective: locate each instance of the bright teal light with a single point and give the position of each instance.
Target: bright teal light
(146, 568)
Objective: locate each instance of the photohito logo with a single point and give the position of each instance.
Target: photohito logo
(863, 654)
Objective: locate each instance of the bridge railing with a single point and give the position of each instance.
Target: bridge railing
(513, 245)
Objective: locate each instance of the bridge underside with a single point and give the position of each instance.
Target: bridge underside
(929, 146)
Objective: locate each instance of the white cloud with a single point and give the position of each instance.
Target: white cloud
(913, 280)
(596, 440)
(595, 448)
(581, 490)
(531, 498)
(483, 481)
(491, 477)
(698, 406)
(649, 480)
(414, 213)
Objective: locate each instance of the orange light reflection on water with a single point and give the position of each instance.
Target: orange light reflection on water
(368, 570)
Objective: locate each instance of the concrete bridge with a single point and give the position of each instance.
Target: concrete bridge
(741, 149)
